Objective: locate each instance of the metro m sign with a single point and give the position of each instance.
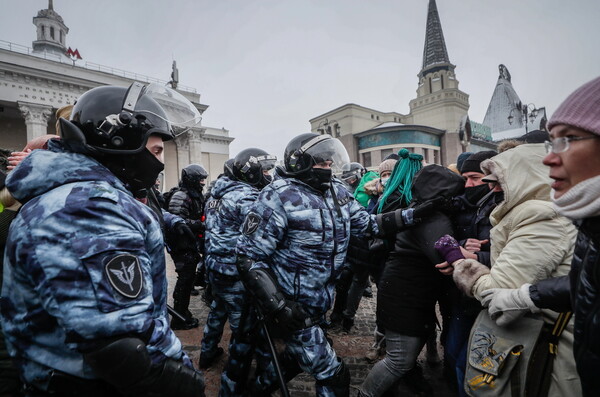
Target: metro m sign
(73, 54)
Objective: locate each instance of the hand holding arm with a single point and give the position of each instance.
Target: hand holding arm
(508, 305)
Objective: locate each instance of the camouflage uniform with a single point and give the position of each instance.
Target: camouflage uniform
(225, 212)
(302, 236)
(84, 263)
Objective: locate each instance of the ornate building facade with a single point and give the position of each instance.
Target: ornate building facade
(35, 82)
(438, 126)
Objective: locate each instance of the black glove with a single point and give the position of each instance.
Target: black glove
(185, 239)
(291, 317)
(425, 209)
(197, 227)
(126, 364)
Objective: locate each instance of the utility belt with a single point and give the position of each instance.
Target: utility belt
(65, 385)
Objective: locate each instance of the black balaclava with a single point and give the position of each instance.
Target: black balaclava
(318, 178)
(138, 171)
(475, 193)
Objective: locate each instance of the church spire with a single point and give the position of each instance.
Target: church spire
(435, 55)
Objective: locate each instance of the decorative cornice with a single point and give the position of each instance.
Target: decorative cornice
(34, 113)
(182, 141)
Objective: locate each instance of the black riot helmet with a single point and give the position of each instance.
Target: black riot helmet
(193, 176)
(307, 150)
(228, 168)
(113, 124)
(249, 166)
(352, 172)
(118, 121)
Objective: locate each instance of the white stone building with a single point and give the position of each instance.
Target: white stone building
(35, 82)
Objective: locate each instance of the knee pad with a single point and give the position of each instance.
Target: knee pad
(339, 383)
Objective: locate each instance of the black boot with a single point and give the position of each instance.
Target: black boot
(206, 361)
(347, 324)
(417, 383)
(189, 323)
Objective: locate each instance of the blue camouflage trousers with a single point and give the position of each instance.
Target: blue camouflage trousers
(232, 302)
(313, 354)
(215, 321)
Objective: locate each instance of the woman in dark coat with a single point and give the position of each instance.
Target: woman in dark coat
(410, 283)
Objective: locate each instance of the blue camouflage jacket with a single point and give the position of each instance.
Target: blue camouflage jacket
(302, 235)
(84, 262)
(226, 211)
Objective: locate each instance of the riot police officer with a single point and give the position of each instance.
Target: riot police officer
(187, 202)
(85, 313)
(292, 250)
(231, 198)
(351, 174)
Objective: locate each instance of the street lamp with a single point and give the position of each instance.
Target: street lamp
(528, 113)
(324, 127)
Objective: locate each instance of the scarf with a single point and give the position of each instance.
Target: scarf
(581, 201)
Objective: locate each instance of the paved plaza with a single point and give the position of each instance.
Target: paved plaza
(351, 347)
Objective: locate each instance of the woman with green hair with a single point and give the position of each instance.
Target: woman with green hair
(397, 190)
(410, 284)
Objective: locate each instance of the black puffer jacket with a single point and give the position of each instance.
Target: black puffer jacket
(190, 206)
(585, 282)
(584, 289)
(410, 284)
(472, 218)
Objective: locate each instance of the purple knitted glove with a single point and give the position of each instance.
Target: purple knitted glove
(448, 247)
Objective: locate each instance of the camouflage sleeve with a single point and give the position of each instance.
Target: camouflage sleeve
(97, 277)
(245, 204)
(171, 219)
(263, 228)
(362, 224)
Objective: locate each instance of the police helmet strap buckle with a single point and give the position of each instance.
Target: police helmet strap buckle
(248, 165)
(133, 94)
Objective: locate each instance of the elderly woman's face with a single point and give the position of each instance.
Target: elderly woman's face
(580, 162)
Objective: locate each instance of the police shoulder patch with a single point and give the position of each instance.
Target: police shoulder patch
(251, 223)
(344, 200)
(125, 275)
(213, 204)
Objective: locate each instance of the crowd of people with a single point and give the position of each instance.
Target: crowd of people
(286, 252)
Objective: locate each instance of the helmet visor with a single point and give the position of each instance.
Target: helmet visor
(329, 150)
(179, 111)
(267, 162)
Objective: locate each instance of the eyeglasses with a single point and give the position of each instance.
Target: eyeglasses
(560, 145)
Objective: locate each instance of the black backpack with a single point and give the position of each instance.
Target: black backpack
(167, 196)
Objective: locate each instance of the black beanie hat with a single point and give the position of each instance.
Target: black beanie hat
(461, 159)
(536, 136)
(472, 164)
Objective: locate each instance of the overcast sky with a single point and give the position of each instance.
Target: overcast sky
(266, 67)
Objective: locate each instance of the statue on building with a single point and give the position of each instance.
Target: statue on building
(504, 74)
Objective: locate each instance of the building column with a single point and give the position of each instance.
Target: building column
(36, 118)
(195, 145)
(183, 151)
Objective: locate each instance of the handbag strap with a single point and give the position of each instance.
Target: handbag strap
(559, 326)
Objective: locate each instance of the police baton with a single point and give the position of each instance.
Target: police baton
(284, 390)
(176, 314)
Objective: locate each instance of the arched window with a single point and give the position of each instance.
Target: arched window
(62, 40)
(52, 32)
(43, 32)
